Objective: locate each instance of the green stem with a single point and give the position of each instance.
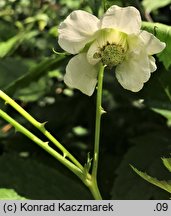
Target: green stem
(95, 190)
(42, 144)
(40, 126)
(90, 180)
(99, 112)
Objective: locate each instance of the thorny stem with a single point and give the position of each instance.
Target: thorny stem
(42, 144)
(99, 112)
(41, 127)
(90, 180)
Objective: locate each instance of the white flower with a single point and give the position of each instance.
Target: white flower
(114, 40)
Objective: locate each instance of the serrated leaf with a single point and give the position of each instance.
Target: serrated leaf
(165, 185)
(167, 163)
(162, 32)
(145, 154)
(151, 5)
(9, 194)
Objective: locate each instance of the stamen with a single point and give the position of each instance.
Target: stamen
(112, 55)
(97, 55)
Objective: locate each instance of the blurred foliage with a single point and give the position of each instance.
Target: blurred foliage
(9, 194)
(132, 131)
(153, 5)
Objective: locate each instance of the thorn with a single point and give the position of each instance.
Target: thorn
(16, 130)
(64, 155)
(6, 103)
(46, 143)
(102, 110)
(42, 125)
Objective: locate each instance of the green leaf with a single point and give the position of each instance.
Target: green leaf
(36, 180)
(109, 3)
(151, 5)
(165, 113)
(162, 32)
(157, 92)
(9, 194)
(11, 44)
(9, 70)
(167, 163)
(145, 153)
(33, 74)
(165, 185)
(34, 91)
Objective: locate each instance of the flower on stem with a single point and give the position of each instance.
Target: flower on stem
(115, 40)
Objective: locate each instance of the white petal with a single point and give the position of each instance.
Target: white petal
(94, 48)
(134, 72)
(152, 64)
(152, 44)
(135, 44)
(126, 19)
(77, 30)
(81, 75)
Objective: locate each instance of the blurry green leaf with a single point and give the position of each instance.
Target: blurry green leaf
(10, 28)
(54, 31)
(157, 92)
(11, 69)
(80, 131)
(9, 194)
(55, 74)
(41, 18)
(167, 163)
(162, 32)
(145, 154)
(6, 12)
(165, 185)
(34, 74)
(11, 44)
(38, 181)
(70, 3)
(68, 92)
(151, 5)
(165, 113)
(109, 3)
(33, 91)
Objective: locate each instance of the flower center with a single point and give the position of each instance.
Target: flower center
(110, 46)
(112, 55)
